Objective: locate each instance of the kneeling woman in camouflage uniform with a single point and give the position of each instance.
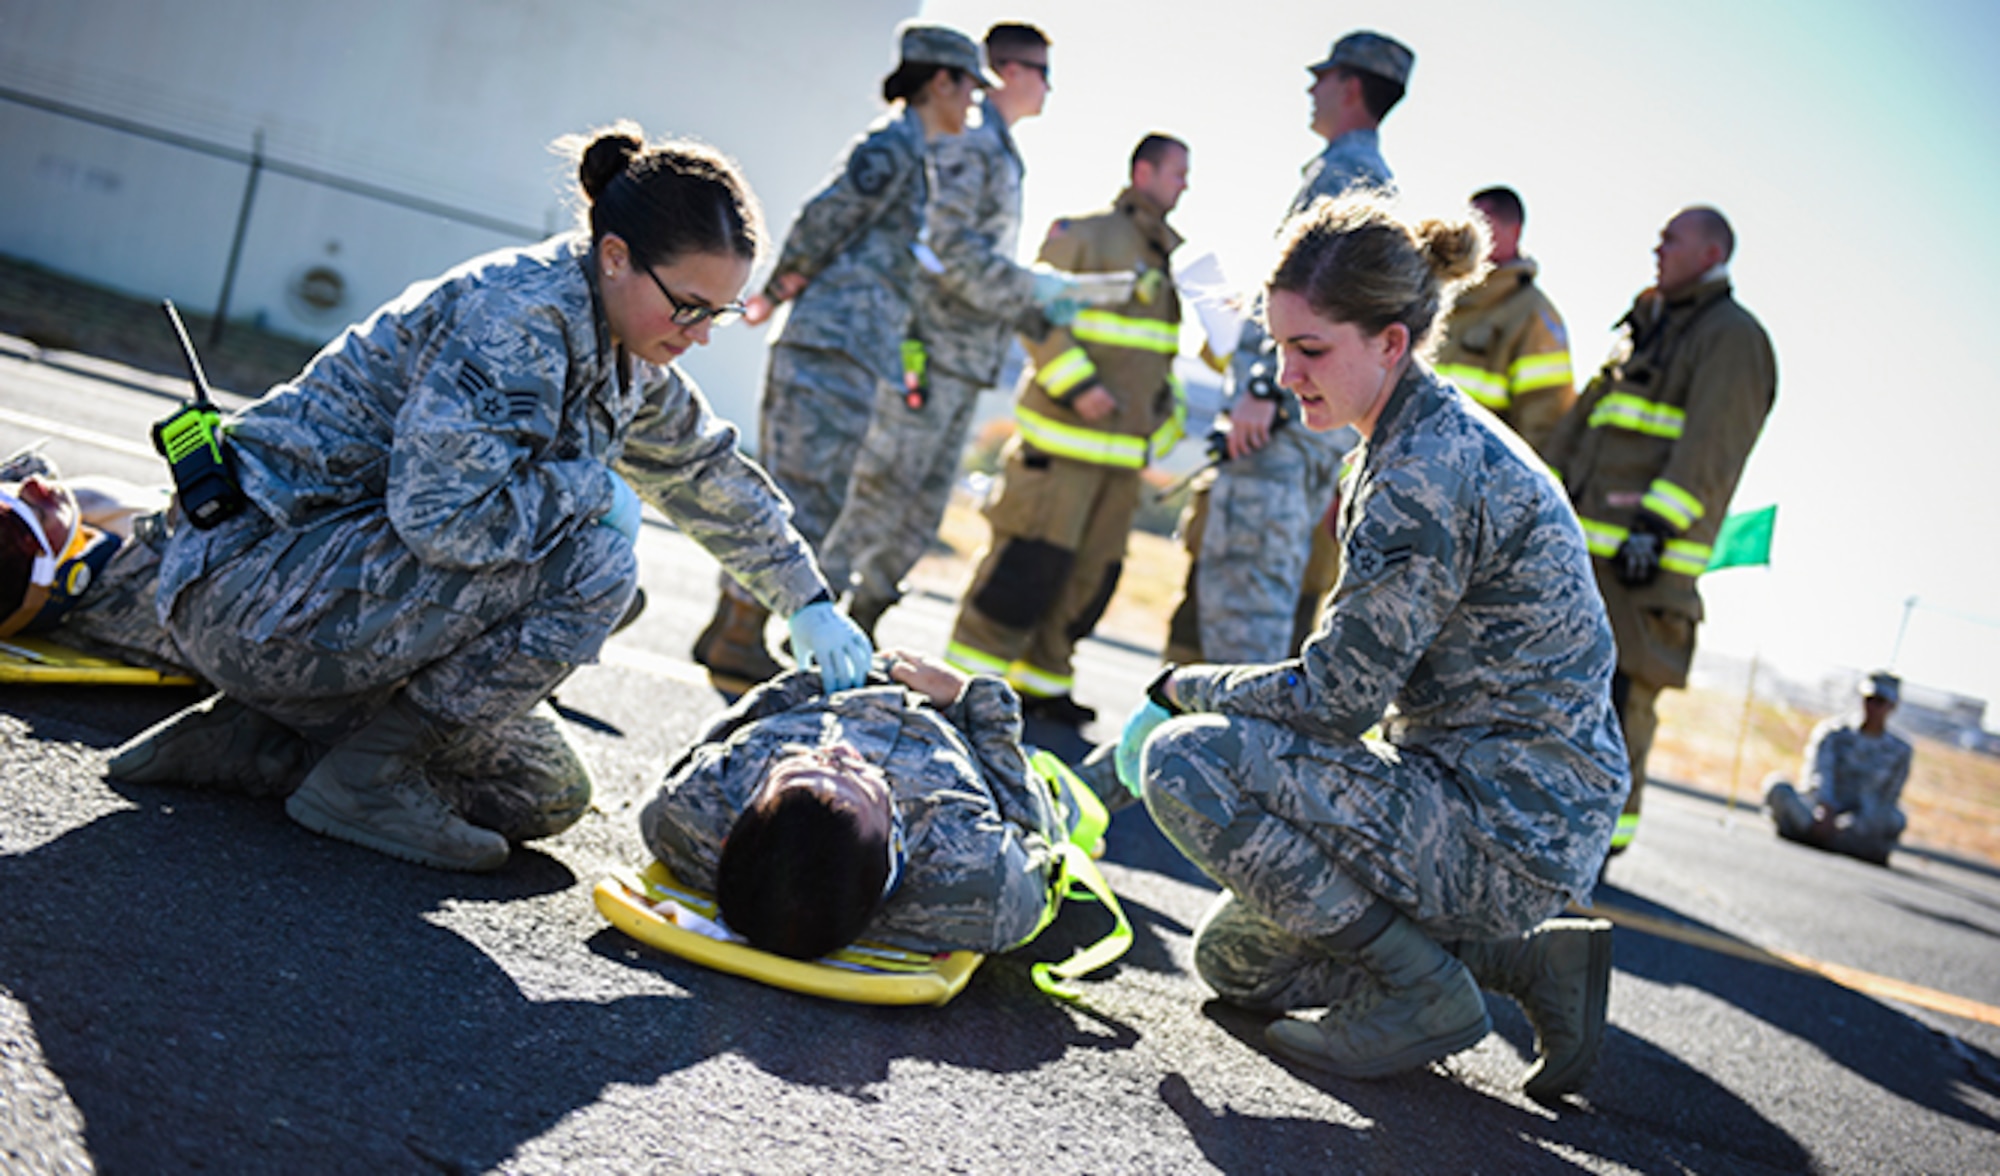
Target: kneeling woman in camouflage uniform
(443, 510)
(1364, 870)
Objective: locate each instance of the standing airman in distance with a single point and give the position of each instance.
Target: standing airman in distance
(1651, 454)
(967, 311)
(849, 268)
(1253, 529)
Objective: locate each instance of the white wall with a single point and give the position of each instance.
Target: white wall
(450, 101)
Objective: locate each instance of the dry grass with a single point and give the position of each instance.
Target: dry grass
(1953, 797)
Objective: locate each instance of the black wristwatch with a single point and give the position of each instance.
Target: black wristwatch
(1261, 383)
(1156, 690)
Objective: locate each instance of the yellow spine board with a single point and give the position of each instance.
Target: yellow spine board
(32, 659)
(864, 973)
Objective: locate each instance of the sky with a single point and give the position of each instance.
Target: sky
(1854, 147)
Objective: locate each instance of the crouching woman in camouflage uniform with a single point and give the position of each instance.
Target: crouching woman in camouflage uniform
(442, 513)
(1386, 874)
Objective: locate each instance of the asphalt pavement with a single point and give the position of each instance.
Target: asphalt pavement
(192, 982)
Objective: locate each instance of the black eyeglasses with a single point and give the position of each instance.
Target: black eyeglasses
(1040, 67)
(688, 314)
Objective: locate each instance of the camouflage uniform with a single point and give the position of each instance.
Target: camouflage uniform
(1466, 624)
(964, 318)
(1251, 530)
(1505, 346)
(839, 352)
(424, 505)
(1857, 776)
(978, 824)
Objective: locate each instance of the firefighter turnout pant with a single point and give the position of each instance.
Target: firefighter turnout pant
(1058, 545)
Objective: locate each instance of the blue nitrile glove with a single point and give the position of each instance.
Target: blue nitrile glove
(623, 515)
(1138, 728)
(822, 633)
(1055, 295)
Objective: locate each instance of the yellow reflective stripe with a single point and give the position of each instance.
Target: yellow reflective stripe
(1673, 504)
(1488, 388)
(1626, 830)
(1041, 683)
(1116, 330)
(1532, 373)
(1689, 559)
(1063, 374)
(977, 661)
(1622, 410)
(1080, 444)
(1602, 538)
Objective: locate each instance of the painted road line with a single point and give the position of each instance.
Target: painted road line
(1885, 987)
(53, 428)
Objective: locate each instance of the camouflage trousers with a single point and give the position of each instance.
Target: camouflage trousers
(815, 412)
(1304, 836)
(473, 656)
(902, 482)
(1250, 535)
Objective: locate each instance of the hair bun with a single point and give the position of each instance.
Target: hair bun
(1453, 249)
(607, 157)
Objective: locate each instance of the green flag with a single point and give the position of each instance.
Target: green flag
(1745, 539)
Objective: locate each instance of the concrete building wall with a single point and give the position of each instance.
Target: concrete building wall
(451, 102)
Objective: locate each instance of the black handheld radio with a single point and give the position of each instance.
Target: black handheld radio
(191, 441)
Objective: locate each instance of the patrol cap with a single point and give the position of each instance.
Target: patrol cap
(933, 44)
(1373, 53)
(1883, 685)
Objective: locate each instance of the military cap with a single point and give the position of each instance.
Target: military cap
(1373, 53)
(1885, 686)
(931, 44)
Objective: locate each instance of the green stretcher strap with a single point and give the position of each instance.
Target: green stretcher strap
(1077, 876)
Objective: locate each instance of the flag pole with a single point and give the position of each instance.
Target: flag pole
(1742, 734)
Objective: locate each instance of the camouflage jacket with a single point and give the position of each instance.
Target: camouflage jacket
(479, 412)
(1354, 160)
(1850, 771)
(852, 243)
(966, 315)
(1504, 345)
(978, 824)
(1467, 624)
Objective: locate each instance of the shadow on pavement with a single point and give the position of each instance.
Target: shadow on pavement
(1453, 1126)
(204, 985)
(1000, 1023)
(1872, 1040)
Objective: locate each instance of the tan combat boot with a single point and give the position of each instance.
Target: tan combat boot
(1560, 975)
(217, 743)
(371, 789)
(1425, 1007)
(732, 646)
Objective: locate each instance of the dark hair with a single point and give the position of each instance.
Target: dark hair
(1378, 94)
(1354, 262)
(797, 877)
(1002, 40)
(911, 77)
(1503, 202)
(665, 199)
(18, 552)
(1154, 148)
